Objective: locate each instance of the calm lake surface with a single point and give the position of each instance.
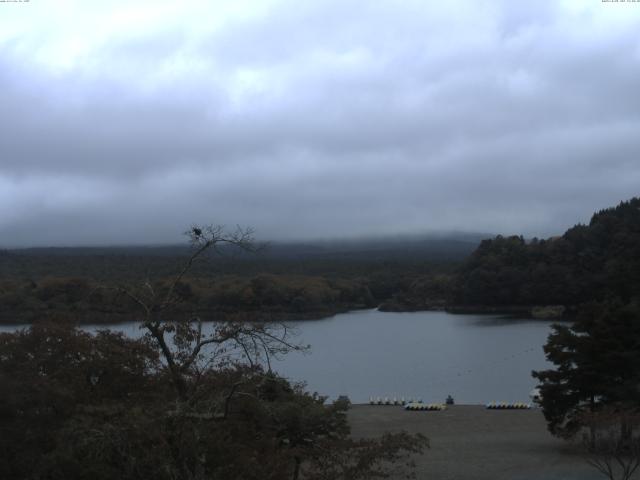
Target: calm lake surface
(427, 355)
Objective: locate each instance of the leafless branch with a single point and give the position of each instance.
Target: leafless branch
(611, 447)
(184, 345)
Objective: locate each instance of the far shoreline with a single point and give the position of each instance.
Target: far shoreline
(515, 312)
(117, 318)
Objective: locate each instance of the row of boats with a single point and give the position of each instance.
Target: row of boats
(394, 401)
(508, 406)
(412, 404)
(425, 406)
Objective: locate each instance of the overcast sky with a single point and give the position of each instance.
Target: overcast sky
(125, 122)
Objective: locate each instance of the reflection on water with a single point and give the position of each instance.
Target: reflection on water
(502, 320)
(426, 355)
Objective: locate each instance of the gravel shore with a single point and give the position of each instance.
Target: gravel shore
(471, 442)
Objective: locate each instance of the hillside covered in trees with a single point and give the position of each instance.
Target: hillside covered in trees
(598, 261)
(589, 262)
(279, 281)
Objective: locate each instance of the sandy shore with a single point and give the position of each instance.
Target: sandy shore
(471, 442)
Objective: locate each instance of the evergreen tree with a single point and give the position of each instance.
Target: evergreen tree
(589, 262)
(597, 362)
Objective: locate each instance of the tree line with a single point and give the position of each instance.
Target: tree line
(260, 297)
(597, 261)
(180, 402)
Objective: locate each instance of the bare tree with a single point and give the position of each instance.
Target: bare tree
(206, 410)
(612, 445)
(186, 348)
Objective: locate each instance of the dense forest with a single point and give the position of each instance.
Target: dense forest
(544, 277)
(295, 281)
(279, 281)
(594, 270)
(589, 262)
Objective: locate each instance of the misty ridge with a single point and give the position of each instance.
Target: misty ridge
(455, 272)
(430, 245)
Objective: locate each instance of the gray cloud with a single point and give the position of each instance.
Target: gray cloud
(328, 120)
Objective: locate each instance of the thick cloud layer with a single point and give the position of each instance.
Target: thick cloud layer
(125, 122)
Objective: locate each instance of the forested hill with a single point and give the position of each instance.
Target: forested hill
(589, 262)
(282, 281)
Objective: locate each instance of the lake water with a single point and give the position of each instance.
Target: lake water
(426, 355)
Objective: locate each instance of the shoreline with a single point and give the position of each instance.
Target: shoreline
(538, 312)
(117, 318)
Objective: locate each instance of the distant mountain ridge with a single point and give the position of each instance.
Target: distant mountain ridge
(342, 257)
(450, 243)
